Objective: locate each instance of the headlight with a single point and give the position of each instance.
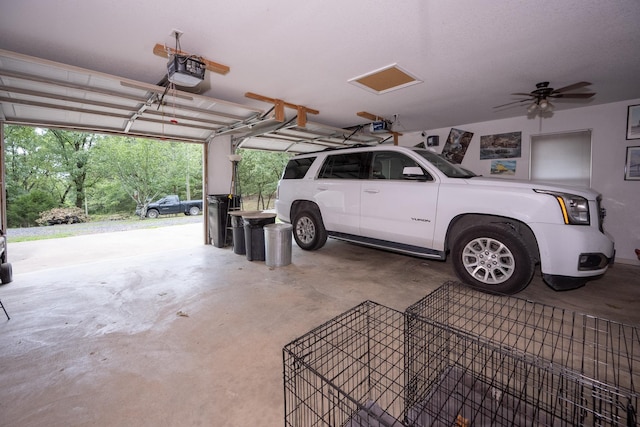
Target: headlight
(575, 209)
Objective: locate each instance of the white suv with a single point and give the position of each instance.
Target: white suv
(416, 202)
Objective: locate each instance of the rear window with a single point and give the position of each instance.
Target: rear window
(297, 168)
(344, 166)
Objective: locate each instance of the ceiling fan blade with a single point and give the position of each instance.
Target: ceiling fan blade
(572, 95)
(523, 94)
(571, 87)
(511, 103)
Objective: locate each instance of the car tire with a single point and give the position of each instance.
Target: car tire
(493, 258)
(6, 273)
(308, 230)
(153, 213)
(194, 210)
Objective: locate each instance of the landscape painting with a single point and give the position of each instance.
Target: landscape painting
(503, 167)
(501, 146)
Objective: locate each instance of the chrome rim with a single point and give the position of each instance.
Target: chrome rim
(305, 230)
(488, 260)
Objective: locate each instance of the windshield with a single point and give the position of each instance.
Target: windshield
(451, 170)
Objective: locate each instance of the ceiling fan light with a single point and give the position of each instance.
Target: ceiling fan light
(532, 108)
(544, 105)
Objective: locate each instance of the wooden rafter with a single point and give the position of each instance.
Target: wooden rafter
(165, 51)
(279, 105)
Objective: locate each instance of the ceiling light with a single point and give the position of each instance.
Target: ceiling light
(543, 104)
(532, 108)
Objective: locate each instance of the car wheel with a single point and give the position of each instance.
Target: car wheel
(308, 230)
(493, 258)
(6, 273)
(194, 210)
(153, 214)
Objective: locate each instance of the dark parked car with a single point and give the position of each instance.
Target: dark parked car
(172, 205)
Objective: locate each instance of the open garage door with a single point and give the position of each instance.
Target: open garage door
(43, 93)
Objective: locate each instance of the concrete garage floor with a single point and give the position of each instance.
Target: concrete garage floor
(161, 330)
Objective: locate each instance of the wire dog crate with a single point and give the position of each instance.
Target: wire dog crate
(482, 359)
(463, 358)
(348, 372)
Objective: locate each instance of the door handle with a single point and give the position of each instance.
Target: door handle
(321, 188)
(371, 190)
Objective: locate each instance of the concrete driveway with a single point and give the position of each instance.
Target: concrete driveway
(27, 257)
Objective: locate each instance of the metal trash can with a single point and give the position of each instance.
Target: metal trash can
(277, 243)
(254, 234)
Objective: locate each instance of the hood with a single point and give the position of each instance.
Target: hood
(585, 192)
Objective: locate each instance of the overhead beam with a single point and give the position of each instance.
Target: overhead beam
(279, 105)
(165, 51)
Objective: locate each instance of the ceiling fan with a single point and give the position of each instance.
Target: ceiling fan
(543, 92)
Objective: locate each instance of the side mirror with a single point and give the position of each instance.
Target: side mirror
(413, 172)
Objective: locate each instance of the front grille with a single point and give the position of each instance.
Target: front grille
(602, 212)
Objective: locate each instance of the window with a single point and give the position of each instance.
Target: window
(344, 166)
(297, 168)
(390, 165)
(562, 158)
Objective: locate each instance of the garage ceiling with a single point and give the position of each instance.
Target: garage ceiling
(467, 55)
(40, 92)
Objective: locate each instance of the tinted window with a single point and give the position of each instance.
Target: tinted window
(297, 168)
(344, 166)
(452, 170)
(390, 165)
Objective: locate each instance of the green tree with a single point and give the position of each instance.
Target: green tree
(146, 169)
(30, 175)
(111, 173)
(71, 152)
(27, 166)
(25, 209)
(258, 174)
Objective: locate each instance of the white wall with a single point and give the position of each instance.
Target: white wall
(219, 167)
(608, 126)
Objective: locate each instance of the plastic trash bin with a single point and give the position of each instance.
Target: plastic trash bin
(277, 244)
(219, 222)
(237, 230)
(254, 234)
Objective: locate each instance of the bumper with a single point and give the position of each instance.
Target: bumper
(572, 255)
(564, 283)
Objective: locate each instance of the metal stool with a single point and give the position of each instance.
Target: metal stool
(5, 311)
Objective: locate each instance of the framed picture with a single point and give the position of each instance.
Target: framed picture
(456, 146)
(632, 165)
(503, 167)
(500, 146)
(633, 122)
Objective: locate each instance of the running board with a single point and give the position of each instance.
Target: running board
(418, 251)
